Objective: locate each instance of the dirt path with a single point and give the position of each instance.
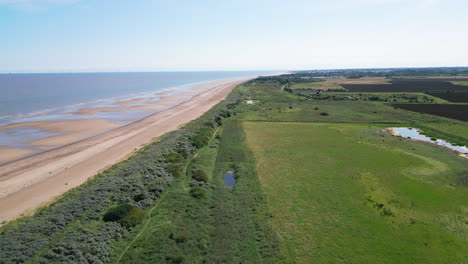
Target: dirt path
(160, 200)
(31, 182)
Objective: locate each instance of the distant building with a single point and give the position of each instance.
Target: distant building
(250, 101)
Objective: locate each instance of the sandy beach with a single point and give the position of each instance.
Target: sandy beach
(28, 183)
(8, 154)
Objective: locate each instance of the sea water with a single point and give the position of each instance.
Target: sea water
(29, 95)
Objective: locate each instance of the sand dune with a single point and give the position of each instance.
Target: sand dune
(26, 184)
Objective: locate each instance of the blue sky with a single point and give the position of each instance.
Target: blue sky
(140, 35)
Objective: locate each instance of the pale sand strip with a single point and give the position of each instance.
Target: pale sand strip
(8, 154)
(162, 93)
(26, 184)
(129, 102)
(179, 96)
(167, 103)
(92, 110)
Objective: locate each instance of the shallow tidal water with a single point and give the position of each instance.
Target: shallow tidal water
(414, 133)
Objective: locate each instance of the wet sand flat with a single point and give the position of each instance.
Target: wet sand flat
(8, 154)
(93, 110)
(129, 102)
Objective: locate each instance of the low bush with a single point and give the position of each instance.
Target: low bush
(116, 213)
(198, 192)
(140, 197)
(176, 259)
(175, 169)
(134, 217)
(124, 214)
(199, 175)
(181, 238)
(175, 158)
(202, 138)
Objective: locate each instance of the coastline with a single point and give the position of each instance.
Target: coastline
(42, 132)
(30, 182)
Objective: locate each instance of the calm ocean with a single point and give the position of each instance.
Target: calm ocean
(23, 94)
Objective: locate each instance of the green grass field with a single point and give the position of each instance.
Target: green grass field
(344, 193)
(317, 85)
(464, 83)
(226, 226)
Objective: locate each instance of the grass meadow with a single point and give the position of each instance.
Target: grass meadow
(350, 193)
(225, 226)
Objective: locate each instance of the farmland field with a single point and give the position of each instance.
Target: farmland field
(451, 96)
(350, 193)
(454, 111)
(406, 85)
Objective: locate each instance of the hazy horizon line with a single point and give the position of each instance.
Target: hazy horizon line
(256, 70)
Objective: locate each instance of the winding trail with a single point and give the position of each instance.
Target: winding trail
(162, 199)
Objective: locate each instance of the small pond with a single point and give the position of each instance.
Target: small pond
(415, 133)
(229, 179)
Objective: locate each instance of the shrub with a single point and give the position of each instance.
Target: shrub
(175, 169)
(176, 259)
(202, 138)
(124, 214)
(387, 212)
(174, 158)
(116, 213)
(198, 192)
(181, 238)
(199, 175)
(218, 120)
(225, 113)
(139, 197)
(324, 113)
(316, 108)
(134, 217)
